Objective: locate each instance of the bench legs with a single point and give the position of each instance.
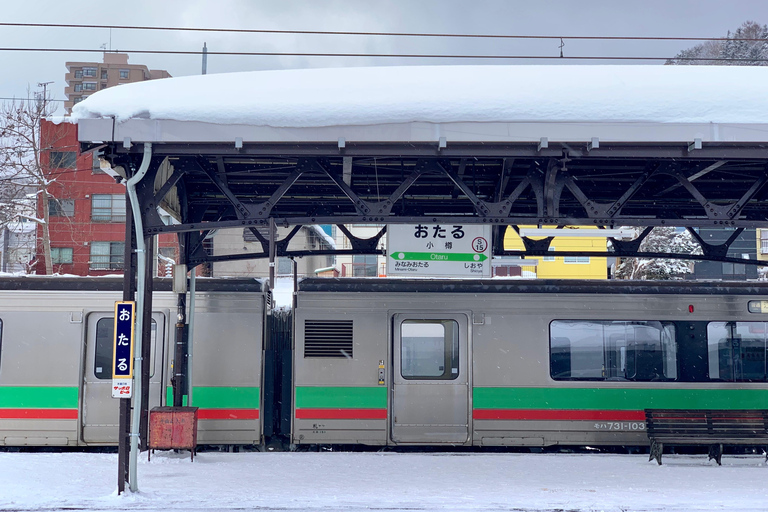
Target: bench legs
(656, 450)
(716, 452)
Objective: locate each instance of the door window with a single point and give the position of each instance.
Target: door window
(102, 361)
(429, 349)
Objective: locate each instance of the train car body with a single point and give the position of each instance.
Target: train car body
(56, 350)
(519, 363)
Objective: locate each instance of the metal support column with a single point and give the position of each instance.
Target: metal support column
(129, 292)
(146, 347)
(180, 353)
(272, 252)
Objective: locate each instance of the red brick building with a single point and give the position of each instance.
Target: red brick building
(86, 210)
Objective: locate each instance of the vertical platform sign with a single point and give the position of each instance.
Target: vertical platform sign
(122, 358)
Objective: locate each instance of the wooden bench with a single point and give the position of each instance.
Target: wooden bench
(705, 427)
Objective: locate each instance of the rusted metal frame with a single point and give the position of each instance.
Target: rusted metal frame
(263, 210)
(168, 185)
(715, 211)
(221, 170)
(363, 245)
(697, 175)
(364, 207)
(554, 182)
(629, 248)
(145, 193)
(444, 167)
(718, 252)
(606, 211)
(260, 255)
(460, 174)
(532, 247)
(240, 208)
(739, 205)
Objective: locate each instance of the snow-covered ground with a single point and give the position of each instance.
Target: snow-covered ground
(386, 481)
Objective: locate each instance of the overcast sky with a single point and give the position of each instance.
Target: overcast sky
(660, 18)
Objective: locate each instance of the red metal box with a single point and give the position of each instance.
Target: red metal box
(173, 428)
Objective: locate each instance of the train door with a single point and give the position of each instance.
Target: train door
(430, 393)
(100, 410)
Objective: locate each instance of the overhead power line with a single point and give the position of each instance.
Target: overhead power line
(351, 33)
(382, 55)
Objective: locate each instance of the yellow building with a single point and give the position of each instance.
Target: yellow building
(566, 267)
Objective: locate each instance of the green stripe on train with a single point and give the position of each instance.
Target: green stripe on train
(618, 399)
(220, 397)
(341, 397)
(38, 397)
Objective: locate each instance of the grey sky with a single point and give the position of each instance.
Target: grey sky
(666, 18)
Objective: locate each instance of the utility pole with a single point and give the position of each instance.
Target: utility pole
(205, 59)
(44, 85)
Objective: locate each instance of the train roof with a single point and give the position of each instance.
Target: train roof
(423, 285)
(111, 284)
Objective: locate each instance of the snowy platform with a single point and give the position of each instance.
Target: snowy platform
(385, 481)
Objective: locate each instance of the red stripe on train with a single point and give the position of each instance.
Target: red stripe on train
(228, 414)
(341, 414)
(543, 414)
(38, 414)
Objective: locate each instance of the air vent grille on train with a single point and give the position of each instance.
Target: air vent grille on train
(328, 338)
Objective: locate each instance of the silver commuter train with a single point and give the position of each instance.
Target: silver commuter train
(56, 351)
(394, 362)
(519, 363)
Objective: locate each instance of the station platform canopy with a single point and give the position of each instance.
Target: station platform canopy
(506, 145)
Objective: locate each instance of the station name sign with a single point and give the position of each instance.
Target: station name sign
(439, 250)
(122, 355)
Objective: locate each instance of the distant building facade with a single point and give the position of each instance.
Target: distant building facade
(743, 247)
(86, 211)
(85, 78)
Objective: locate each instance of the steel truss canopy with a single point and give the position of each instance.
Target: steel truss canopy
(603, 146)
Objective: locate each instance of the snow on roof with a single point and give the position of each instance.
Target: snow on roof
(303, 98)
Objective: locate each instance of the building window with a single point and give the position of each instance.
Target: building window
(549, 258)
(104, 74)
(63, 159)
(365, 265)
(61, 255)
(78, 73)
(78, 99)
(107, 255)
(284, 266)
(89, 86)
(61, 207)
(79, 87)
(125, 74)
(103, 85)
(576, 259)
(89, 72)
(108, 208)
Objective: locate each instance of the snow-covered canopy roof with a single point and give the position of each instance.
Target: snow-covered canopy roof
(425, 103)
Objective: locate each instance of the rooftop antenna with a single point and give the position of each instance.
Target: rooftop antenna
(205, 59)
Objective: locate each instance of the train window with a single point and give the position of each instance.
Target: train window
(429, 349)
(105, 332)
(612, 350)
(737, 351)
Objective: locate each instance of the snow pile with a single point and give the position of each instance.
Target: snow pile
(395, 482)
(443, 94)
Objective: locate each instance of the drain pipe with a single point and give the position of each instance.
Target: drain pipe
(190, 334)
(140, 271)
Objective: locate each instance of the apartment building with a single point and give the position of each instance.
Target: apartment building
(86, 211)
(85, 78)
